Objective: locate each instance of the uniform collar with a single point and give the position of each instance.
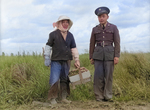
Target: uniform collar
(107, 25)
(104, 24)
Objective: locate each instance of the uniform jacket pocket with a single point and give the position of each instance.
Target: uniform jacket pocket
(109, 53)
(98, 53)
(109, 31)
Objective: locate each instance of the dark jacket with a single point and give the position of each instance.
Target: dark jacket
(110, 35)
(61, 49)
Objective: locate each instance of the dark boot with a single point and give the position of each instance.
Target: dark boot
(65, 90)
(53, 93)
(53, 101)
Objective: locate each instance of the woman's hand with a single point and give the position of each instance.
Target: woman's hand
(77, 64)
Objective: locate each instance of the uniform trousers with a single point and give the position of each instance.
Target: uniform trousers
(103, 77)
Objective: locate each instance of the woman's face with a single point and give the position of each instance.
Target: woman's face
(65, 24)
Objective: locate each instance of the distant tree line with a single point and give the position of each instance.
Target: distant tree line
(23, 54)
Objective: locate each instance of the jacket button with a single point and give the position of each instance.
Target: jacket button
(103, 32)
(103, 37)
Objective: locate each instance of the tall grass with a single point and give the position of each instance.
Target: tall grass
(25, 78)
(22, 79)
(132, 77)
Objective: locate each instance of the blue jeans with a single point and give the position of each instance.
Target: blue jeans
(59, 70)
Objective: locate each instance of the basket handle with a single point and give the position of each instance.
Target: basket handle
(80, 75)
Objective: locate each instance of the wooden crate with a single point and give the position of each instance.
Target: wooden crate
(83, 75)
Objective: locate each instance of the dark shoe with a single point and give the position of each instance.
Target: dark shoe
(108, 100)
(99, 100)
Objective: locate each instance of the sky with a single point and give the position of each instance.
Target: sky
(25, 24)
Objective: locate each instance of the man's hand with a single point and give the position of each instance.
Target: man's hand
(92, 61)
(116, 60)
(77, 64)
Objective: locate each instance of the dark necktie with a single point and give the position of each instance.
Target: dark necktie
(103, 27)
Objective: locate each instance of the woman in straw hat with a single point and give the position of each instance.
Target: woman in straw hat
(63, 47)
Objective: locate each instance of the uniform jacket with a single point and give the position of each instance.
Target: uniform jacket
(61, 49)
(109, 35)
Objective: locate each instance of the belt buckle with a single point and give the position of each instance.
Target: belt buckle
(102, 44)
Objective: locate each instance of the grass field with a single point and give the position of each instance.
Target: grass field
(24, 79)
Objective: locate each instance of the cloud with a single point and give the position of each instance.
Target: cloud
(25, 25)
(136, 38)
(21, 47)
(131, 15)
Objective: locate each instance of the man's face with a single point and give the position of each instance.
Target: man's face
(65, 24)
(103, 18)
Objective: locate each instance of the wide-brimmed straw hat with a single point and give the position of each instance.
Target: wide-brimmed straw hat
(63, 17)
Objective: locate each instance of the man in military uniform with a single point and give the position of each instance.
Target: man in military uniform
(104, 55)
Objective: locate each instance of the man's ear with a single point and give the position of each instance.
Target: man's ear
(107, 16)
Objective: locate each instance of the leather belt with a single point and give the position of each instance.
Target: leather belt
(103, 44)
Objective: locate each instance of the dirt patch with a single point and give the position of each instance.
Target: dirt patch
(89, 105)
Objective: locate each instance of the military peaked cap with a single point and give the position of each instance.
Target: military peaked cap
(102, 10)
